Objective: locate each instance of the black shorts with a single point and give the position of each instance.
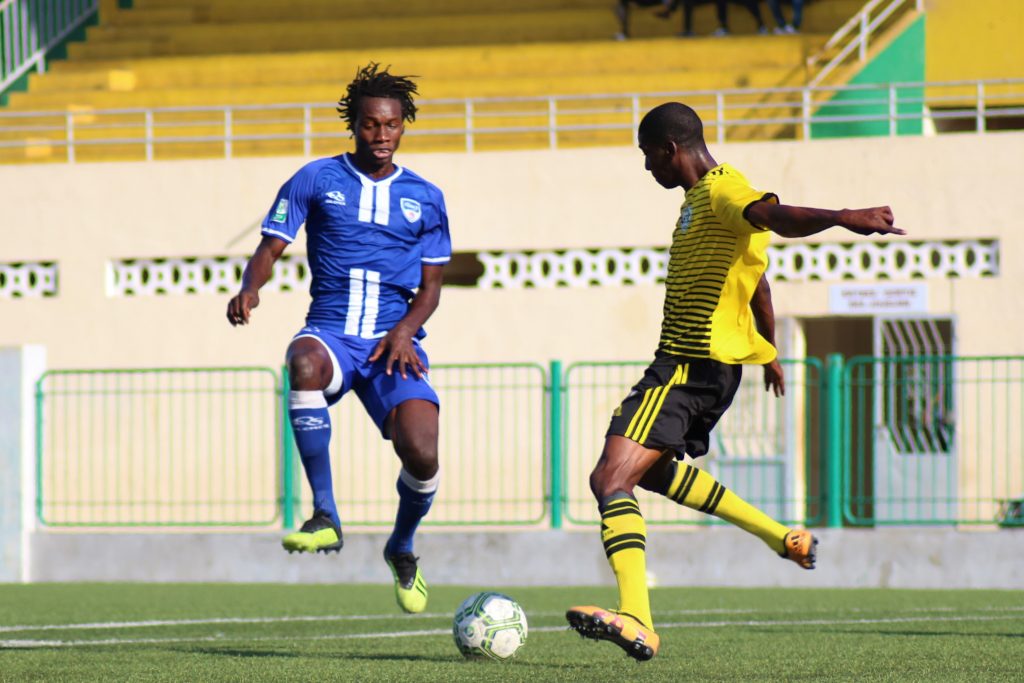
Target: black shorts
(676, 404)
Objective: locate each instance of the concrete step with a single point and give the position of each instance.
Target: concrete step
(119, 41)
(273, 10)
(683, 80)
(177, 39)
(825, 15)
(496, 62)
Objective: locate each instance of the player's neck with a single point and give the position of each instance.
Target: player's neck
(371, 167)
(696, 166)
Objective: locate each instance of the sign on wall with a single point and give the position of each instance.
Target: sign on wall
(877, 298)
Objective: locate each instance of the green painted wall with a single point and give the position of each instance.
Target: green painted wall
(903, 61)
(59, 51)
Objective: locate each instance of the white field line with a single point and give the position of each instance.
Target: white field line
(155, 623)
(212, 620)
(220, 638)
(113, 625)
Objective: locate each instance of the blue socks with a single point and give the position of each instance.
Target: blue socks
(414, 499)
(311, 425)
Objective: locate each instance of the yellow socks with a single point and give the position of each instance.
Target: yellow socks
(698, 490)
(625, 540)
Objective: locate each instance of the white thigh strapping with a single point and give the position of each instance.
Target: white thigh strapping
(336, 379)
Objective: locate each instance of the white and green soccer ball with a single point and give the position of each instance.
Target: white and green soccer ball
(489, 625)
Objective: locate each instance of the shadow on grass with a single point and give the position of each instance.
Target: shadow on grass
(259, 653)
(451, 660)
(236, 652)
(369, 656)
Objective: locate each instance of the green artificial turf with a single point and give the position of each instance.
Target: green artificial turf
(78, 632)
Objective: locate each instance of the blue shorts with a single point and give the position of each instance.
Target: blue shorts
(379, 392)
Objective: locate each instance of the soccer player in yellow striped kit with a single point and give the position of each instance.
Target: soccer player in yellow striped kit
(717, 259)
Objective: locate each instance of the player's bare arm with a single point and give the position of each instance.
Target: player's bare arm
(764, 318)
(398, 342)
(257, 272)
(802, 221)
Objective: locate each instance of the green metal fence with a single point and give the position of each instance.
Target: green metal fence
(872, 441)
(767, 449)
(159, 447)
(193, 447)
(492, 446)
(934, 440)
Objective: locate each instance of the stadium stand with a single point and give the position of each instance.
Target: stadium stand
(215, 53)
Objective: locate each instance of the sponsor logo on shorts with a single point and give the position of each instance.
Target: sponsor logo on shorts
(280, 212)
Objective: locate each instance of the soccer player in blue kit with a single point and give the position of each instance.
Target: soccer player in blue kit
(377, 240)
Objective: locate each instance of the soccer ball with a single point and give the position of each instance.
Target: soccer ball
(490, 625)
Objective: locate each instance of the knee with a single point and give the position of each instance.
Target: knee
(421, 464)
(305, 371)
(418, 453)
(603, 483)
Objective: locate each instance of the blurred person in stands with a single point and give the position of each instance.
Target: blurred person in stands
(377, 240)
(721, 12)
(622, 10)
(781, 25)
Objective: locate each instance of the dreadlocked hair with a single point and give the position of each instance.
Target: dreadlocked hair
(372, 81)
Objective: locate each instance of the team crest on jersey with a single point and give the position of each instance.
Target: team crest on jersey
(410, 209)
(684, 219)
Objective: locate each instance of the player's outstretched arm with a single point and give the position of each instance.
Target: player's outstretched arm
(257, 272)
(397, 343)
(801, 221)
(764, 318)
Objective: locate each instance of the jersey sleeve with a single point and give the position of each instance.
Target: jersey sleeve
(291, 206)
(436, 242)
(730, 200)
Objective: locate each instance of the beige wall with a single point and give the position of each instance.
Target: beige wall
(81, 215)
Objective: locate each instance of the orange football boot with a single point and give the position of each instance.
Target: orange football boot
(801, 547)
(640, 642)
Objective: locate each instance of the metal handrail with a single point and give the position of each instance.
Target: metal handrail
(723, 111)
(865, 26)
(31, 28)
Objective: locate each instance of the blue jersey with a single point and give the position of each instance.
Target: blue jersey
(367, 241)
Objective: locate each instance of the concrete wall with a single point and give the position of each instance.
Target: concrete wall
(886, 558)
(948, 187)
(951, 187)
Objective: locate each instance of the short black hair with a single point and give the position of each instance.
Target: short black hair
(372, 81)
(673, 121)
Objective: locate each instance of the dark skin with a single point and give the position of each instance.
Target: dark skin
(412, 425)
(764, 319)
(624, 463)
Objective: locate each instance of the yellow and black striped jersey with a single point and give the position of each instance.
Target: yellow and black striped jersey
(716, 261)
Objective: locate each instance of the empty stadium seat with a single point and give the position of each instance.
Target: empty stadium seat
(214, 53)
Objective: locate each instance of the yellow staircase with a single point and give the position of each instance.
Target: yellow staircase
(215, 53)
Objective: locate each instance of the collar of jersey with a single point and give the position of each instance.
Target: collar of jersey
(365, 179)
